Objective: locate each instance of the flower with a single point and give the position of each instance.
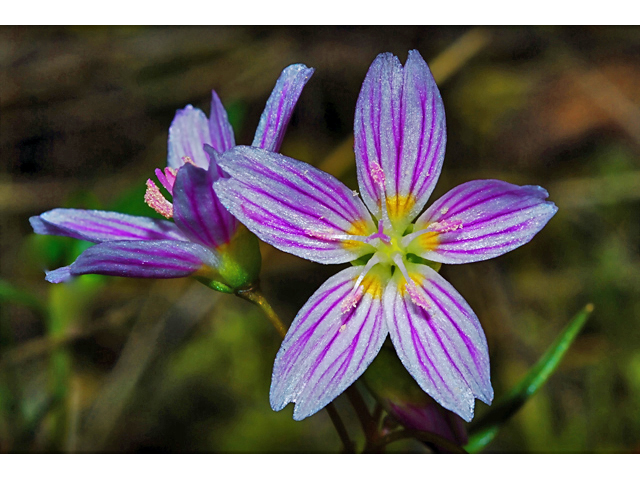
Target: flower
(204, 240)
(394, 389)
(430, 417)
(392, 286)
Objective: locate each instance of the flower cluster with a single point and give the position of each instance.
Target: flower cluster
(395, 247)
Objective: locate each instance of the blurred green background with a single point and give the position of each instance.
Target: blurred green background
(110, 364)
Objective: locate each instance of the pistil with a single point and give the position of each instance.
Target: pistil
(167, 178)
(380, 234)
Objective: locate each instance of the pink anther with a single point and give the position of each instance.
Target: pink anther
(445, 226)
(320, 234)
(377, 173)
(417, 296)
(351, 301)
(154, 198)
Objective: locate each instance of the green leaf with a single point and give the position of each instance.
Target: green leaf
(485, 429)
(11, 294)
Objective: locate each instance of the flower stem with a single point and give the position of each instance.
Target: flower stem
(369, 425)
(340, 428)
(255, 296)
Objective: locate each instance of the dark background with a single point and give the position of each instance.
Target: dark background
(139, 365)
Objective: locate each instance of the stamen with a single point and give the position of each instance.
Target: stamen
(407, 239)
(416, 295)
(320, 234)
(188, 160)
(332, 235)
(443, 226)
(352, 299)
(377, 174)
(154, 198)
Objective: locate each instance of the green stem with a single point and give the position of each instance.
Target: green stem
(255, 296)
(369, 425)
(340, 428)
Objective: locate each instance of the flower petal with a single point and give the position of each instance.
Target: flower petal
(443, 347)
(222, 137)
(197, 210)
(141, 259)
(294, 206)
(215, 171)
(377, 128)
(481, 219)
(188, 132)
(400, 125)
(424, 137)
(277, 113)
(58, 275)
(100, 226)
(326, 348)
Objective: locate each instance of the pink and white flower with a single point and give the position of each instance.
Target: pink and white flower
(393, 286)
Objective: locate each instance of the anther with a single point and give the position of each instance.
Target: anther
(154, 198)
(351, 300)
(416, 295)
(321, 234)
(445, 226)
(377, 174)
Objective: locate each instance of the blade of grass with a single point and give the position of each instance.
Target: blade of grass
(486, 428)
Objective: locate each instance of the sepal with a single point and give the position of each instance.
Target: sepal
(239, 266)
